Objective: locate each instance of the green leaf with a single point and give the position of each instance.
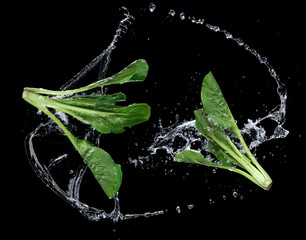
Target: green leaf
(212, 132)
(224, 157)
(192, 156)
(105, 170)
(195, 157)
(215, 104)
(207, 128)
(111, 118)
(135, 72)
(105, 118)
(92, 101)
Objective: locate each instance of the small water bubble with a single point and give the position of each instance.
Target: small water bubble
(182, 16)
(178, 209)
(235, 194)
(190, 206)
(210, 201)
(263, 60)
(224, 197)
(152, 7)
(172, 12)
(193, 20)
(200, 21)
(214, 28)
(228, 35)
(239, 42)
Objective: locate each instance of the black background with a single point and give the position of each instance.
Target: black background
(49, 43)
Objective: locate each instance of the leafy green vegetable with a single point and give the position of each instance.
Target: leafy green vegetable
(211, 122)
(215, 104)
(135, 72)
(102, 166)
(192, 156)
(102, 113)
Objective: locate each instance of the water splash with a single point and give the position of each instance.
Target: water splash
(152, 7)
(182, 16)
(172, 139)
(172, 12)
(278, 114)
(103, 59)
(186, 128)
(72, 193)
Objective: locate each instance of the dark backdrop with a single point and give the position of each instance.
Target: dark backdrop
(49, 43)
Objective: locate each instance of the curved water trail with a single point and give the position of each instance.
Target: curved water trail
(277, 114)
(43, 170)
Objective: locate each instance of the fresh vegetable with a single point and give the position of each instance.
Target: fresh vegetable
(211, 122)
(102, 113)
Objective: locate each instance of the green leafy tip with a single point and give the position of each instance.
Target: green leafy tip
(105, 170)
(135, 72)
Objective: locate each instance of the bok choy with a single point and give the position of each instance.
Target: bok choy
(211, 122)
(101, 112)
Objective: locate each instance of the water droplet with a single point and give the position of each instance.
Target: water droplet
(210, 201)
(239, 42)
(228, 35)
(263, 60)
(152, 7)
(190, 206)
(224, 197)
(178, 209)
(172, 12)
(214, 28)
(235, 194)
(182, 16)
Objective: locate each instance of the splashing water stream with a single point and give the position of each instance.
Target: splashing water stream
(184, 131)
